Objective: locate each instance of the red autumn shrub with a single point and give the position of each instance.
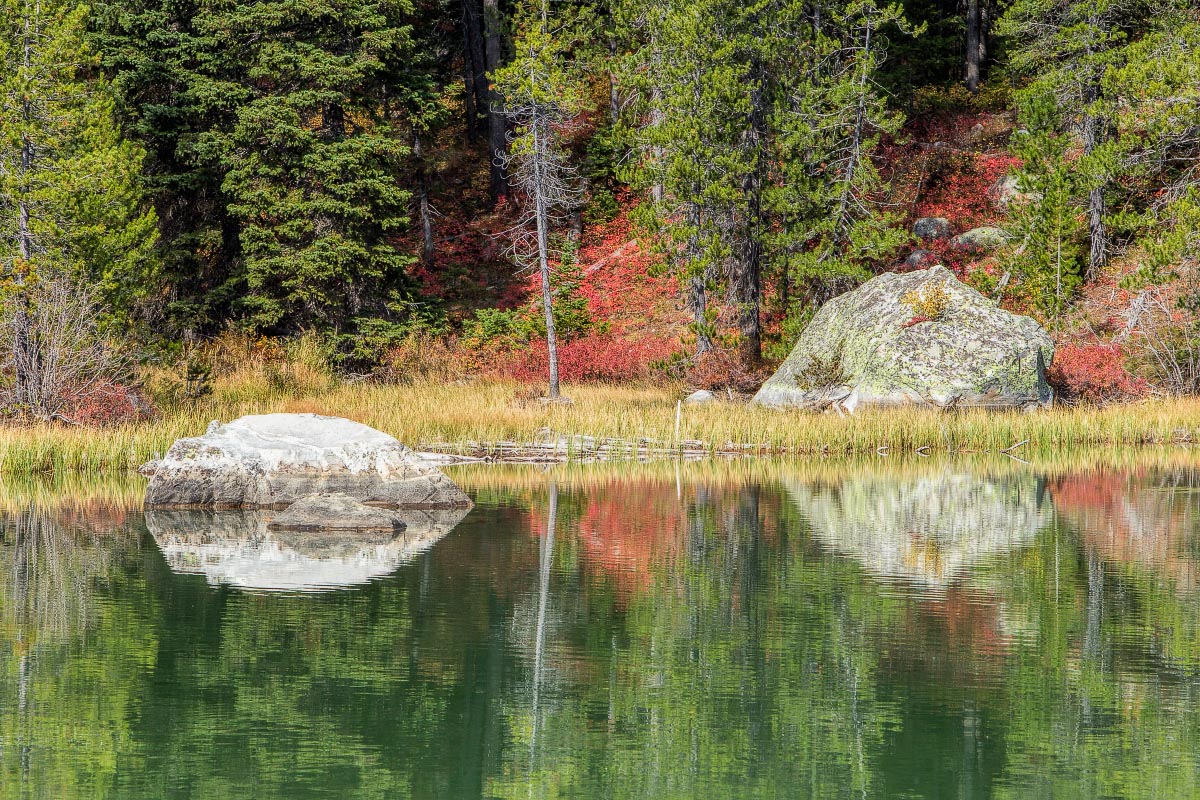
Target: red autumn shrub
(1093, 372)
(599, 358)
(718, 370)
(106, 403)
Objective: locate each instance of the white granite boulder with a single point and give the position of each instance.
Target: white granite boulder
(273, 460)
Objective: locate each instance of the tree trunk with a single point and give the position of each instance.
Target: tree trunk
(425, 212)
(614, 96)
(497, 145)
(1094, 134)
(747, 279)
(541, 143)
(974, 43)
(477, 112)
(697, 288)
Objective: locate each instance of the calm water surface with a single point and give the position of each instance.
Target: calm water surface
(930, 630)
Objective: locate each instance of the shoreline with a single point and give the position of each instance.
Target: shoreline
(500, 421)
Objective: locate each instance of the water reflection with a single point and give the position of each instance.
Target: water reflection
(238, 549)
(630, 636)
(930, 528)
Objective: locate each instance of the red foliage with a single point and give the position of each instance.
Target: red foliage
(107, 403)
(1093, 372)
(604, 357)
(719, 370)
(917, 320)
(959, 190)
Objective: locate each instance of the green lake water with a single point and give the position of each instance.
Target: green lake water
(935, 629)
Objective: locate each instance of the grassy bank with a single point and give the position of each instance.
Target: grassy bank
(471, 418)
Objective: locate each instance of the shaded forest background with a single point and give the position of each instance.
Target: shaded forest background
(408, 189)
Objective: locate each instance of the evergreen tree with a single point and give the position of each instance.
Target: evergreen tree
(834, 227)
(311, 161)
(71, 213)
(70, 202)
(1065, 48)
(174, 85)
(754, 132)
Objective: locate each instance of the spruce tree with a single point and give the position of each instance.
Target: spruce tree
(175, 86)
(311, 161)
(70, 198)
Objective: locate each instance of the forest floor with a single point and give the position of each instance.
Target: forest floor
(500, 420)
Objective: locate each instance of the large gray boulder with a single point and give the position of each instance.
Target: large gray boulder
(868, 347)
(929, 229)
(981, 240)
(1006, 193)
(273, 460)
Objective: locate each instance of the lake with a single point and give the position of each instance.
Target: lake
(884, 629)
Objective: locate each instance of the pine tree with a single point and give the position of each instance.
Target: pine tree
(310, 159)
(70, 201)
(754, 134)
(71, 212)
(833, 226)
(1066, 47)
(175, 86)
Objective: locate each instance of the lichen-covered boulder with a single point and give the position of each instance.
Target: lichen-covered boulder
(919, 259)
(979, 240)
(700, 397)
(870, 347)
(273, 460)
(1006, 193)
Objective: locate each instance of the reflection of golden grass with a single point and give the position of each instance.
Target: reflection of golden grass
(75, 493)
(734, 472)
(482, 413)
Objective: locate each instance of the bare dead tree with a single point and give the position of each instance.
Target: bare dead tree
(538, 102)
(54, 349)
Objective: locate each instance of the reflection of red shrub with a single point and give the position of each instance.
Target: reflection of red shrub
(106, 403)
(1093, 373)
(591, 358)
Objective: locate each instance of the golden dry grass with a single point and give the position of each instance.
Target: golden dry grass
(473, 415)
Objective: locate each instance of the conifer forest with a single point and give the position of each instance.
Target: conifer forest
(587, 191)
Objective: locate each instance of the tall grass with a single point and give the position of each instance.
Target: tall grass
(473, 416)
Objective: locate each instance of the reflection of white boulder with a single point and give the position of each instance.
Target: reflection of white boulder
(238, 549)
(930, 529)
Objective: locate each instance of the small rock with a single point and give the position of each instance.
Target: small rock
(336, 512)
(919, 259)
(977, 132)
(978, 240)
(702, 397)
(555, 401)
(1006, 193)
(932, 228)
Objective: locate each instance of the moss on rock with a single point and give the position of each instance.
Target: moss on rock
(975, 355)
